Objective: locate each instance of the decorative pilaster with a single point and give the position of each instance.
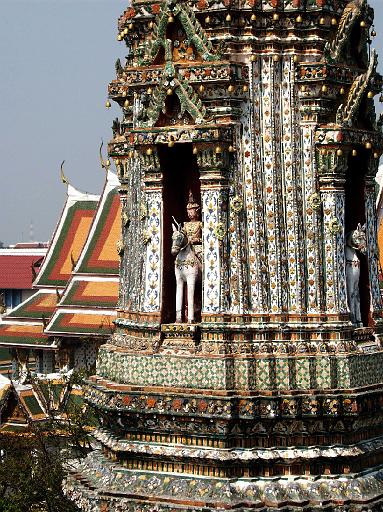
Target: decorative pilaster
(252, 157)
(213, 162)
(152, 232)
(275, 231)
(292, 190)
(371, 235)
(332, 168)
(132, 256)
(313, 230)
(237, 235)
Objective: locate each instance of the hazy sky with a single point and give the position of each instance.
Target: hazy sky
(56, 59)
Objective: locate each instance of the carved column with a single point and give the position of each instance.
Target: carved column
(332, 169)
(291, 167)
(271, 166)
(152, 231)
(313, 230)
(371, 235)
(213, 162)
(252, 158)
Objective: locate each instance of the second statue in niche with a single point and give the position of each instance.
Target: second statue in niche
(355, 241)
(187, 247)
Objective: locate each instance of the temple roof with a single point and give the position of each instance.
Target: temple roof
(95, 293)
(83, 257)
(41, 304)
(16, 267)
(89, 301)
(24, 325)
(100, 255)
(22, 405)
(73, 322)
(24, 334)
(68, 239)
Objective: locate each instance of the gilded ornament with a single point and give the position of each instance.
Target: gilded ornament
(220, 231)
(335, 226)
(237, 204)
(146, 237)
(107, 104)
(143, 211)
(315, 201)
(120, 247)
(125, 219)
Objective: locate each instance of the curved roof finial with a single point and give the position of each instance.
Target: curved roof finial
(64, 179)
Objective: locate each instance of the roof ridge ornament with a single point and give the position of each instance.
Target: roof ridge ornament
(64, 179)
(190, 24)
(352, 12)
(346, 113)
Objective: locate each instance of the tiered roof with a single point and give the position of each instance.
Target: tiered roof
(89, 302)
(24, 326)
(22, 405)
(77, 286)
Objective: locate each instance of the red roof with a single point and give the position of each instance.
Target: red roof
(16, 270)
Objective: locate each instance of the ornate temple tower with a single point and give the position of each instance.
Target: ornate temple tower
(263, 110)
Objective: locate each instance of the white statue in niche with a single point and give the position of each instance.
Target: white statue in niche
(355, 241)
(187, 247)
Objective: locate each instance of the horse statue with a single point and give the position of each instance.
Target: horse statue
(355, 241)
(188, 269)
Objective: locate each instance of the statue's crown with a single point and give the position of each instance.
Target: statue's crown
(191, 203)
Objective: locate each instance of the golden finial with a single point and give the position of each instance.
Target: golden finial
(64, 179)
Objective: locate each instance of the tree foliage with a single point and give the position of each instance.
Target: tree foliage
(33, 463)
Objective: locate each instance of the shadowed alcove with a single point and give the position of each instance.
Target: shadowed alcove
(355, 214)
(180, 175)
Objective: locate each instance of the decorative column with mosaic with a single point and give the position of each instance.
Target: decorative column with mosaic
(246, 153)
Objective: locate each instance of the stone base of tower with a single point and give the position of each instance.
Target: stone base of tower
(101, 485)
(206, 418)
